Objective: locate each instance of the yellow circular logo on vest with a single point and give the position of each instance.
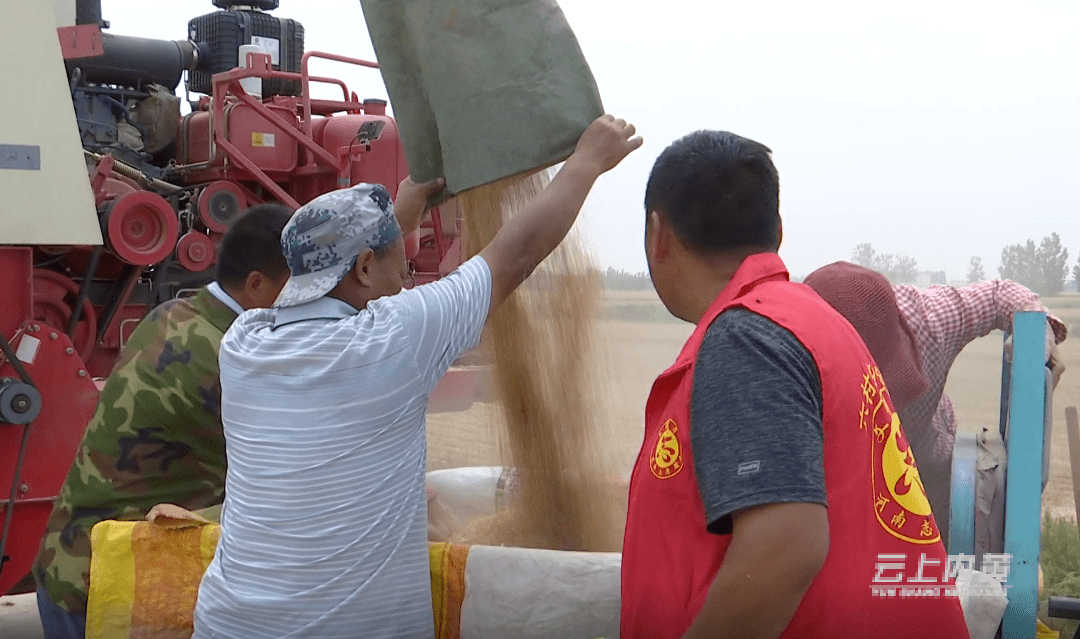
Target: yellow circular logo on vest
(667, 459)
(900, 502)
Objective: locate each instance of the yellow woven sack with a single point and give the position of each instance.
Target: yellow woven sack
(1042, 631)
(447, 587)
(144, 579)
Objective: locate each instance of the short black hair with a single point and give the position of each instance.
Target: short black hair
(719, 191)
(253, 243)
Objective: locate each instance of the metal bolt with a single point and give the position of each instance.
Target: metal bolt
(82, 373)
(53, 336)
(35, 327)
(23, 488)
(69, 350)
(20, 403)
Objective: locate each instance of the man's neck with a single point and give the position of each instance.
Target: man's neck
(237, 295)
(702, 288)
(354, 296)
(705, 278)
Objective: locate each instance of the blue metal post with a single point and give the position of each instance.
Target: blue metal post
(1048, 414)
(1006, 384)
(1023, 493)
(962, 502)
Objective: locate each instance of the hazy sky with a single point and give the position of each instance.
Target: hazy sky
(939, 130)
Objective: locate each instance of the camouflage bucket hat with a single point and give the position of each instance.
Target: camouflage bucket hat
(324, 237)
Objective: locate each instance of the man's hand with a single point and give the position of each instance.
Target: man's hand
(411, 203)
(604, 144)
(166, 514)
(1057, 367)
(1053, 355)
(533, 233)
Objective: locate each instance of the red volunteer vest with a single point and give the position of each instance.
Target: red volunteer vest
(876, 504)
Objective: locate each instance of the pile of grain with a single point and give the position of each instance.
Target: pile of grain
(541, 343)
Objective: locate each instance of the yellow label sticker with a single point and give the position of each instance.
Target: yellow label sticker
(262, 139)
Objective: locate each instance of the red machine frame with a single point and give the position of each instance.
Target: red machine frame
(34, 459)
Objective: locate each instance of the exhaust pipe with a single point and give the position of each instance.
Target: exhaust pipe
(89, 12)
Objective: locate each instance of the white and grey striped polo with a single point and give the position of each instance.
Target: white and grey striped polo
(324, 525)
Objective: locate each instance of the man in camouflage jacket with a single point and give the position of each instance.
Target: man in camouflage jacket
(156, 435)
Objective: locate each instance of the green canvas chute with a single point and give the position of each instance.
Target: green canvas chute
(482, 89)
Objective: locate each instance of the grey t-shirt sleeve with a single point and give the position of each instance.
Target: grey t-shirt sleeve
(755, 419)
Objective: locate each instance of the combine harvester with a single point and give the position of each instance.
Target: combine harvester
(114, 203)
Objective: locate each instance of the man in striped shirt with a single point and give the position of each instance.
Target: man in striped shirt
(324, 525)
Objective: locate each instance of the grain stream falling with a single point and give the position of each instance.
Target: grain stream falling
(544, 369)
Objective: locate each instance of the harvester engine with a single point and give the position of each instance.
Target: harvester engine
(165, 186)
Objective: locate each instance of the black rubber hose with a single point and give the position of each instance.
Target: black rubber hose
(5, 346)
(127, 114)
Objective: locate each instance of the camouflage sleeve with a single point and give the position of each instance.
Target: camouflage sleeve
(155, 437)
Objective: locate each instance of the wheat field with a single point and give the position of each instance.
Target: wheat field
(639, 340)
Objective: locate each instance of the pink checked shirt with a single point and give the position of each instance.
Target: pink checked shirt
(944, 320)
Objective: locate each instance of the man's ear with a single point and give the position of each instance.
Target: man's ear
(254, 281)
(779, 234)
(362, 269)
(657, 237)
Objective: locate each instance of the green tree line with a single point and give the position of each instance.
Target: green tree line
(619, 280)
(1042, 267)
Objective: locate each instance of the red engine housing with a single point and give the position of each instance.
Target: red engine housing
(78, 304)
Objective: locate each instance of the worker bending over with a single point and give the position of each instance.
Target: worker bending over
(915, 335)
(156, 433)
(324, 527)
(774, 472)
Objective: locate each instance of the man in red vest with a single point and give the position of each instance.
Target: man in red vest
(775, 494)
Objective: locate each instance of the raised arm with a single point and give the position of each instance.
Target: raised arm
(953, 317)
(531, 235)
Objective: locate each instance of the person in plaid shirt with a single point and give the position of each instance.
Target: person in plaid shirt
(929, 327)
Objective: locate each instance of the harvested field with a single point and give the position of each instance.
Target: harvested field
(638, 348)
